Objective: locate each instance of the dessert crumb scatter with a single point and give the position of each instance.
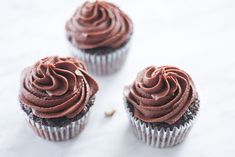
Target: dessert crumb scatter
(110, 112)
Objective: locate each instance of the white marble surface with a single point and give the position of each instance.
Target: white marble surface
(195, 35)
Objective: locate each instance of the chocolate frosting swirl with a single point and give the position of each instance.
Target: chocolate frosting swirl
(99, 24)
(56, 87)
(161, 94)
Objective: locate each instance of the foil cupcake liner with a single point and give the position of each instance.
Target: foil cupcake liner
(158, 136)
(58, 133)
(102, 64)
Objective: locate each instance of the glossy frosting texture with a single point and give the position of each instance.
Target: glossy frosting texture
(161, 94)
(99, 24)
(56, 87)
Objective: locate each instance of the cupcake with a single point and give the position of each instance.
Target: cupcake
(56, 95)
(162, 104)
(99, 33)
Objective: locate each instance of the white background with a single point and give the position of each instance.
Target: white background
(195, 35)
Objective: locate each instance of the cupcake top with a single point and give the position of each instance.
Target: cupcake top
(161, 94)
(99, 24)
(56, 87)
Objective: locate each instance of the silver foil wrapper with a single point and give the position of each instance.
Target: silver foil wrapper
(102, 64)
(58, 133)
(158, 136)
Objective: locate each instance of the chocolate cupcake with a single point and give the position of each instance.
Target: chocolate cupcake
(99, 33)
(56, 95)
(162, 104)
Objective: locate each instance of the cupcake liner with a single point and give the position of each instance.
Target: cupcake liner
(58, 133)
(102, 64)
(159, 136)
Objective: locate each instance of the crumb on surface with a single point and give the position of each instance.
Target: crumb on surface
(110, 112)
